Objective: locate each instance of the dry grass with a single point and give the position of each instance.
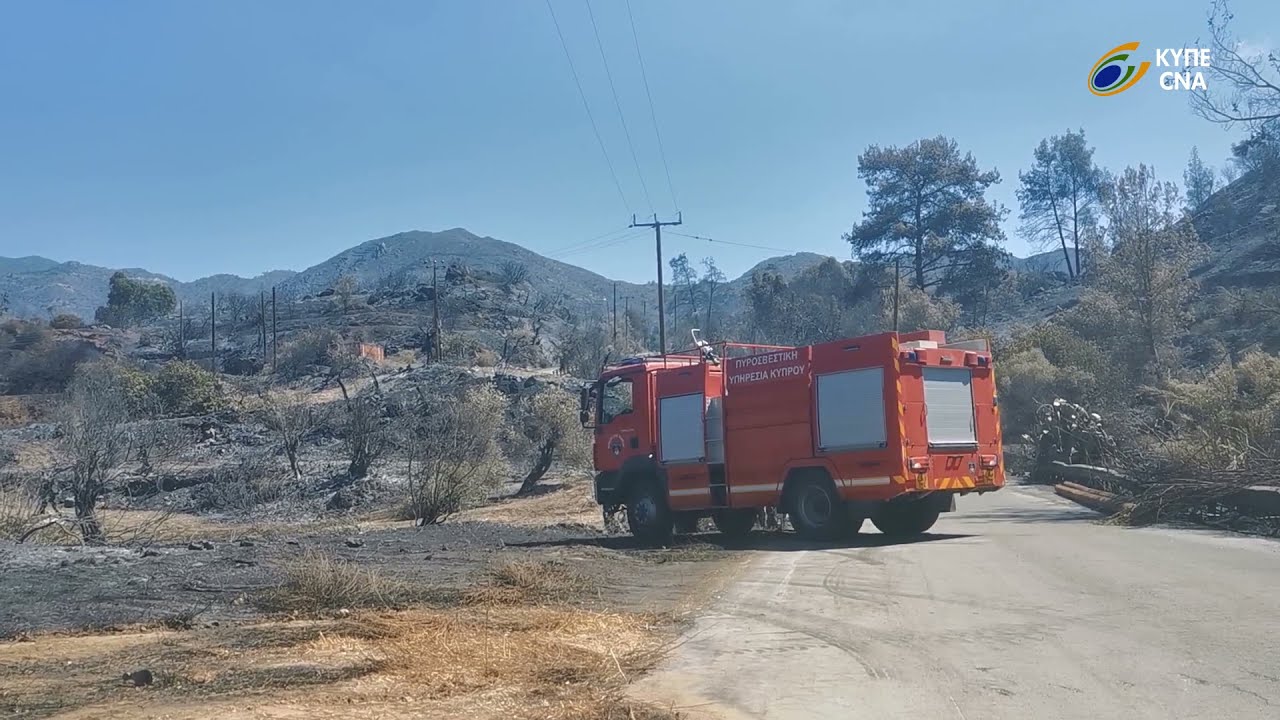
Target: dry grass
(570, 503)
(15, 413)
(523, 661)
(320, 582)
(528, 582)
(17, 509)
(511, 663)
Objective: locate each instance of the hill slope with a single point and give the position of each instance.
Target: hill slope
(34, 286)
(412, 253)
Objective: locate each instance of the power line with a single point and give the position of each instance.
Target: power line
(618, 104)
(601, 246)
(585, 106)
(597, 246)
(563, 248)
(730, 242)
(652, 113)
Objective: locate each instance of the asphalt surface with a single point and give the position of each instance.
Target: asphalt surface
(1020, 605)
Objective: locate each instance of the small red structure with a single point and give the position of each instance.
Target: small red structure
(372, 351)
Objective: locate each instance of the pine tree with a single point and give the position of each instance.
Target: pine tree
(1199, 181)
(927, 207)
(1059, 195)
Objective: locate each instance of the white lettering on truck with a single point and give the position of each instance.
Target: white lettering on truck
(764, 372)
(767, 359)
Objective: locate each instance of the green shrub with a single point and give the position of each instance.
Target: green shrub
(1234, 408)
(184, 388)
(132, 301)
(35, 360)
(309, 348)
(1026, 379)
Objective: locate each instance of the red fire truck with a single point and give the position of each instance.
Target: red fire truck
(888, 427)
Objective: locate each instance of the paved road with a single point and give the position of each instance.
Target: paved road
(1018, 606)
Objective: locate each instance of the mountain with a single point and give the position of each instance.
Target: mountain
(197, 291)
(411, 253)
(1240, 224)
(787, 266)
(53, 287)
(34, 286)
(30, 263)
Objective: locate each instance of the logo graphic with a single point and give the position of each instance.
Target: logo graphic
(615, 445)
(1112, 74)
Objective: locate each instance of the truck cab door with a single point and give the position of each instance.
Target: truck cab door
(621, 424)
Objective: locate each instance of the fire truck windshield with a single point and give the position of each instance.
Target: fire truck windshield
(616, 399)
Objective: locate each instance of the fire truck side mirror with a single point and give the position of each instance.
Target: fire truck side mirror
(584, 406)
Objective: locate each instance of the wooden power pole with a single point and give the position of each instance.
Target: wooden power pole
(213, 333)
(275, 339)
(262, 324)
(435, 310)
(657, 236)
(615, 312)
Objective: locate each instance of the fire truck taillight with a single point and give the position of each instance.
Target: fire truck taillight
(990, 461)
(919, 464)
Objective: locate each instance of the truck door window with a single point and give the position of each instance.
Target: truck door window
(616, 400)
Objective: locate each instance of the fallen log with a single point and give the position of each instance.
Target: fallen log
(1094, 499)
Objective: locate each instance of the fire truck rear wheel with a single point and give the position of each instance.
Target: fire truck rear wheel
(817, 513)
(902, 519)
(647, 513)
(734, 523)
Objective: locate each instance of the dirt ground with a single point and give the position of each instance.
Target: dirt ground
(76, 620)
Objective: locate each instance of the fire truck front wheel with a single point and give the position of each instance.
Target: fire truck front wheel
(817, 513)
(905, 518)
(647, 513)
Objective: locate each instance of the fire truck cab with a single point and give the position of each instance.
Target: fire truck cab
(884, 427)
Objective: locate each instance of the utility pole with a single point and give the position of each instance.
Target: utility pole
(262, 323)
(897, 281)
(213, 333)
(615, 312)
(182, 334)
(275, 339)
(435, 305)
(657, 236)
(626, 317)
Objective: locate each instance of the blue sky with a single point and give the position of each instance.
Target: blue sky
(244, 135)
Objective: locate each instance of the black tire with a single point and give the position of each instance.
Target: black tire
(686, 523)
(734, 523)
(648, 516)
(816, 511)
(905, 519)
